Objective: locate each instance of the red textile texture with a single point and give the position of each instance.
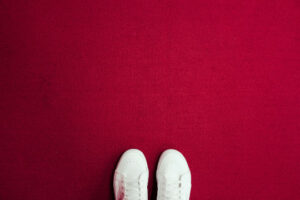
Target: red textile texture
(84, 80)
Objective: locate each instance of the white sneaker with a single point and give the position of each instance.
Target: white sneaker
(173, 177)
(131, 176)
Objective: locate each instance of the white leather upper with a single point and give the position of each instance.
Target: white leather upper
(131, 176)
(173, 177)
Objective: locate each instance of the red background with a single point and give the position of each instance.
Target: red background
(83, 80)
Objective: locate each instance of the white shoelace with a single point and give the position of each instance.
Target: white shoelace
(132, 190)
(171, 190)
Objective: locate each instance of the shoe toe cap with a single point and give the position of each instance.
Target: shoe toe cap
(132, 163)
(172, 164)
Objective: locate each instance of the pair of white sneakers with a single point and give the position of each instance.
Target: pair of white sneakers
(173, 176)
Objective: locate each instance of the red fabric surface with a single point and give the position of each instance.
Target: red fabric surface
(82, 81)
